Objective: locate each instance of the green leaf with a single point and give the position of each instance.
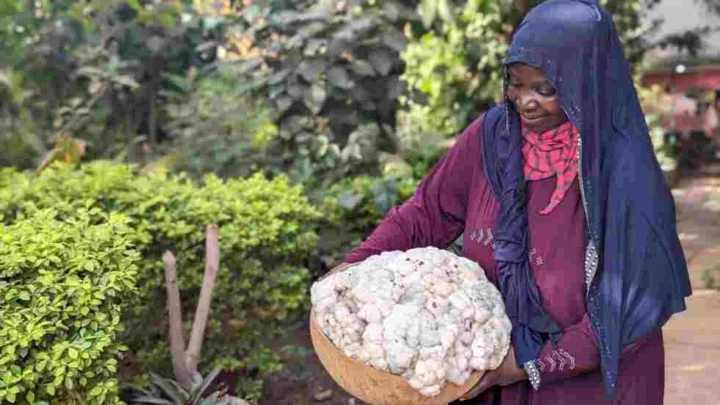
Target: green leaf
(315, 98)
(382, 60)
(135, 5)
(283, 103)
(279, 76)
(167, 17)
(362, 68)
(445, 11)
(125, 80)
(396, 41)
(250, 65)
(151, 400)
(428, 9)
(338, 76)
(349, 200)
(197, 394)
(165, 386)
(310, 69)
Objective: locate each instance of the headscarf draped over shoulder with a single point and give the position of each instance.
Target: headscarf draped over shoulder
(636, 273)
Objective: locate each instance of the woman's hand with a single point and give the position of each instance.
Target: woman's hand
(342, 266)
(507, 373)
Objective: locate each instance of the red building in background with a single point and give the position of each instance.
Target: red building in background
(704, 76)
(692, 94)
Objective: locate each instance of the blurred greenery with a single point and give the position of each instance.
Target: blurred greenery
(94, 70)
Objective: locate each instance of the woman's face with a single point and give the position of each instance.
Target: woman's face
(535, 98)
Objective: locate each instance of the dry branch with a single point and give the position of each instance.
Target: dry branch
(177, 341)
(202, 313)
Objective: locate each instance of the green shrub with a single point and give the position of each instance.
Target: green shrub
(331, 71)
(63, 283)
(454, 73)
(265, 233)
(216, 127)
(351, 209)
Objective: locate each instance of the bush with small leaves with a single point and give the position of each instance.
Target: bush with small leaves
(63, 284)
(266, 231)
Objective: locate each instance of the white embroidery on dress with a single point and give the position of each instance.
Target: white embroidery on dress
(477, 235)
(570, 358)
(484, 237)
(535, 258)
(489, 238)
(561, 360)
(551, 362)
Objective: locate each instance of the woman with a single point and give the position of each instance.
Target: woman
(560, 199)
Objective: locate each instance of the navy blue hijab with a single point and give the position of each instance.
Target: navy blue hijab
(636, 274)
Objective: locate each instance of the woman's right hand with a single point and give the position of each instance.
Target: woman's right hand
(340, 267)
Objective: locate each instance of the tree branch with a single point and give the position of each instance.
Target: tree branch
(212, 263)
(177, 342)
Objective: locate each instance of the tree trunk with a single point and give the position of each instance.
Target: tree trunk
(177, 341)
(212, 263)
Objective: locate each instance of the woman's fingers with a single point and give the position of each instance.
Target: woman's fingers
(487, 381)
(340, 267)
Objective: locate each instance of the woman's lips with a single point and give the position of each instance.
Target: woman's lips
(531, 121)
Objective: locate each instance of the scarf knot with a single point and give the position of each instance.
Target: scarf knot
(552, 153)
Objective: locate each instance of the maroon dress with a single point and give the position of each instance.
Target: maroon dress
(455, 198)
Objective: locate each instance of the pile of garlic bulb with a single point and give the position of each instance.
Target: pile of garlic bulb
(427, 315)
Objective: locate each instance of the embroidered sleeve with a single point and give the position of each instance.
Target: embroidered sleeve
(435, 215)
(576, 353)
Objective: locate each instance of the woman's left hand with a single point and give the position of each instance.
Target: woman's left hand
(507, 373)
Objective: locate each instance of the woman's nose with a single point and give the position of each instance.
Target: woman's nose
(527, 102)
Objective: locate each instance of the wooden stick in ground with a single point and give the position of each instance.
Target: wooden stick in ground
(212, 263)
(177, 341)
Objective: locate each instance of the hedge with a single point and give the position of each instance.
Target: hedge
(63, 283)
(266, 231)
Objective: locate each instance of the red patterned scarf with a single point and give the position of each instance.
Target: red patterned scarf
(552, 153)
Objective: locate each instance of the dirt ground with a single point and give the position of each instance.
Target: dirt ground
(692, 338)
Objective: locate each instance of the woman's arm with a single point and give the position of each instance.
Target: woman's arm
(576, 353)
(435, 215)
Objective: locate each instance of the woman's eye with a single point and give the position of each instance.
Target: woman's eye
(546, 91)
(514, 84)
